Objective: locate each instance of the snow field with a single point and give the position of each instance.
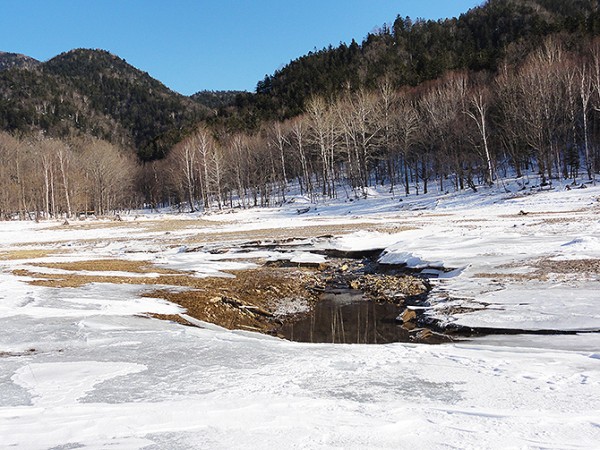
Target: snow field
(79, 367)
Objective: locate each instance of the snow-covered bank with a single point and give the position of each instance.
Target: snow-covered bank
(79, 368)
(152, 382)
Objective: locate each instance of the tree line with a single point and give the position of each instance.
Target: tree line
(43, 178)
(95, 92)
(419, 50)
(460, 131)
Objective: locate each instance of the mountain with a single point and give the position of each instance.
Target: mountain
(216, 99)
(10, 60)
(96, 92)
(410, 52)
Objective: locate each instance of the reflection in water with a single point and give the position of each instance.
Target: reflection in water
(344, 317)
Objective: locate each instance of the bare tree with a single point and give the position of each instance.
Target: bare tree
(63, 158)
(585, 95)
(323, 133)
(479, 114)
(541, 94)
(280, 142)
(204, 144)
(509, 121)
(442, 107)
(298, 137)
(407, 125)
(388, 99)
(362, 125)
(109, 176)
(184, 156)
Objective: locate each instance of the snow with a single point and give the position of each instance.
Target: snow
(19, 299)
(538, 307)
(77, 379)
(81, 367)
(307, 258)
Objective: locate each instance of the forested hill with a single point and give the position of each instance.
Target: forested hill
(216, 99)
(9, 60)
(508, 87)
(409, 52)
(95, 92)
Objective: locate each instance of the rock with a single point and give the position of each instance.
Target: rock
(409, 326)
(424, 334)
(408, 315)
(421, 334)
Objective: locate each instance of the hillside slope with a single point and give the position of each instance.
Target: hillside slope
(410, 52)
(93, 91)
(10, 60)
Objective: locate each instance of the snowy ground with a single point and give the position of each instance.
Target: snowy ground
(80, 368)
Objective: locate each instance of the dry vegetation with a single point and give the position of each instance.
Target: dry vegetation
(14, 255)
(543, 268)
(248, 301)
(170, 225)
(112, 265)
(304, 232)
(574, 266)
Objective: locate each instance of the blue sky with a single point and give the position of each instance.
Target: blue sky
(194, 45)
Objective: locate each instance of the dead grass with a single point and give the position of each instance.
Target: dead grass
(171, 317)
(170, 225)
(13, 255)
(247, 301)
(78, 280)
(60, 280)
(478, 219)
(532, 276)
(106, 265)
(98, 225)
(310, 231)
(543, 213)
(544, 267)
(557, 220)
(80, 242)
(215, 235)
(256, 287)
(575, 266)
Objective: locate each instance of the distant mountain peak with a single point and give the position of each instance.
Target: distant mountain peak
(18, 60)
(95, 92)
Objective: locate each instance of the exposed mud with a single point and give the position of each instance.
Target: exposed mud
(17, 354)
(545, 268)
(256, 299)
(347, 298)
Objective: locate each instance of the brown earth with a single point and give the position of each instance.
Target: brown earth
(245, 299)
(248, 301)
(544, 267)
(13, 255)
